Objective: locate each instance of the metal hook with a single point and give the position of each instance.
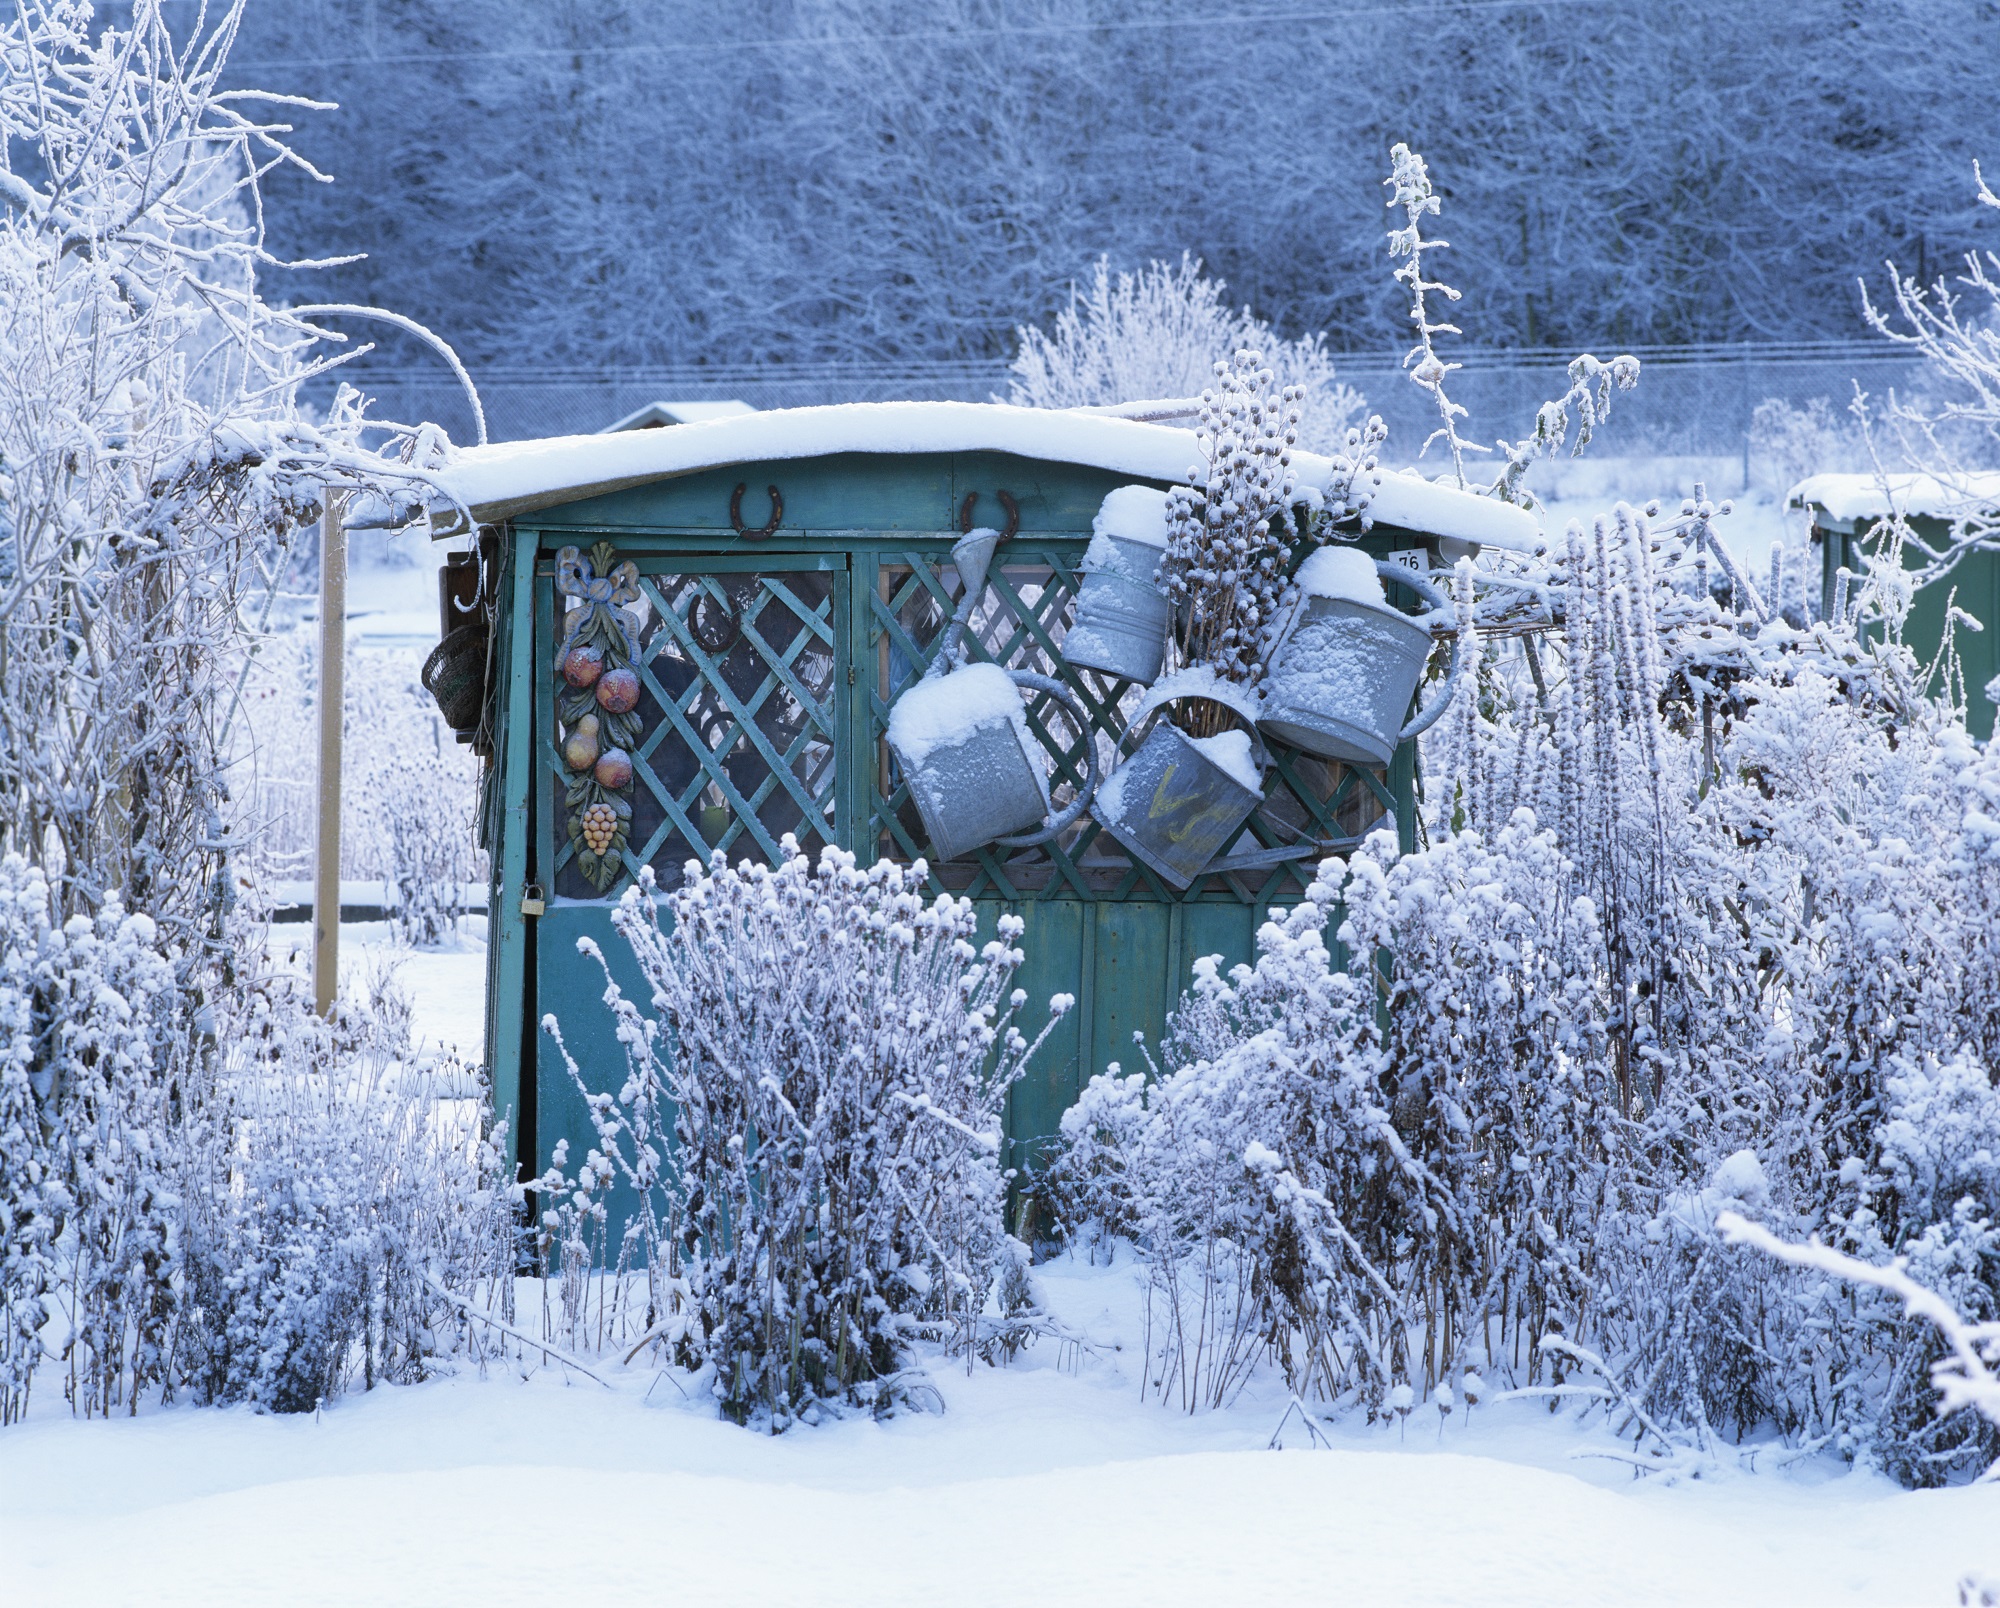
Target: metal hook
(736, 513)
(714, 641)
(1012, 508)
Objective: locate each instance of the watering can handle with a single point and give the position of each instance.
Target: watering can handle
(1428, 716)
(1073, 811)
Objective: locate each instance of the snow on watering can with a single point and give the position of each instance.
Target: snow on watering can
(961, 737)
(1180, 800)
(1121, 613)
(1344, 674)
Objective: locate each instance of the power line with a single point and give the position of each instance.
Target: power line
(924, 35)
(1355, 361)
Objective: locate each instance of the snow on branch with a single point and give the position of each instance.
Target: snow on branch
(1965, 1378)
(1409, 182)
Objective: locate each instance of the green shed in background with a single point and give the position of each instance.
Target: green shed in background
(790, 573)
(1846, 510)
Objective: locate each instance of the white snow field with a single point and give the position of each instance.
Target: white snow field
(1049, 1481)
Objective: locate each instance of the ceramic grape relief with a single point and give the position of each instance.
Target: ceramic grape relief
(597, 704)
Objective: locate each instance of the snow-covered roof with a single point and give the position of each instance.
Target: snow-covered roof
(655, 414)
(508, 479)
(1850, 497)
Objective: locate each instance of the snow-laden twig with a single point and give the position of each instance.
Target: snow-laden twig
(1969, 1377)
(512, 1332)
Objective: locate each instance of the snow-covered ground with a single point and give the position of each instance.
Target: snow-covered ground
(1051, 1480)
(1047, 1481)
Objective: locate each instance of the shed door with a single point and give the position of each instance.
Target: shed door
(744, 685)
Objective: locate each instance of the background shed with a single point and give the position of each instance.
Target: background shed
(1846, 511)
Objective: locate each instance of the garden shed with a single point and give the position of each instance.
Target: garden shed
(1847, 508)
(774, 583)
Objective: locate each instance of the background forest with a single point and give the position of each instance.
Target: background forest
(650, 182)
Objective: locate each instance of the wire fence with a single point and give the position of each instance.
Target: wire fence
(1695, 401)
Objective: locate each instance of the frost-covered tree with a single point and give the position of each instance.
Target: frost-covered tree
(154, 461)
(861, 183)
(154, 464)
(1157, 335)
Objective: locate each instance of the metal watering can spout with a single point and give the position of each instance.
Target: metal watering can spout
(971, 556)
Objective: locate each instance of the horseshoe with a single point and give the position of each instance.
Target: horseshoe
(1013, 511)
(748, 533)
(715, 642)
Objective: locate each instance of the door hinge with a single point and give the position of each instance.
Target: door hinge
(850, 675)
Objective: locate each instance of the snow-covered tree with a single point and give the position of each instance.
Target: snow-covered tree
(1157, 335)
(154, 465)
(857, 185)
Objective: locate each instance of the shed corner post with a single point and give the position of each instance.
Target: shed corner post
(1403, 787)
(510, 1011)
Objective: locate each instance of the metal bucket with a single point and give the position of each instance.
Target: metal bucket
(1342, 681)
(969, 793)
(1121, 615)
(1172, 806)
(988, 785)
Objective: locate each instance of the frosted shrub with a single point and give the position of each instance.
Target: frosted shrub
(1157, 335)
(812, 1120)
(233, 1198)
(346, 1197)
(1930, 1195)
(1262, 1177)
(33, 1200)
(1704, 921)
(106, 1066)
(1230, 536)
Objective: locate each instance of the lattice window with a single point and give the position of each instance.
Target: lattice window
(737, 709)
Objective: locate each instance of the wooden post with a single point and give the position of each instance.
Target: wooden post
(332, 702)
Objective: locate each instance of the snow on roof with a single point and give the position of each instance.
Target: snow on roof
(1849, 497)
(655, 414)
(506, 480)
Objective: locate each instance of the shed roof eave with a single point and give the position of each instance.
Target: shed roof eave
(512, 479)
(1849, 497)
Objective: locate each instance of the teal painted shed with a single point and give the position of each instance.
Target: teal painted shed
(790, 575)
(1846, 511)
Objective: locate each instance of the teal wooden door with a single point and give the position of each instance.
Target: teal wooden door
(744, 694)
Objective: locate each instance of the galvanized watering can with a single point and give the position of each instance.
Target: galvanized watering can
(1179, 801)
(961, 737)
(1343, 677)
(1121, 614)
